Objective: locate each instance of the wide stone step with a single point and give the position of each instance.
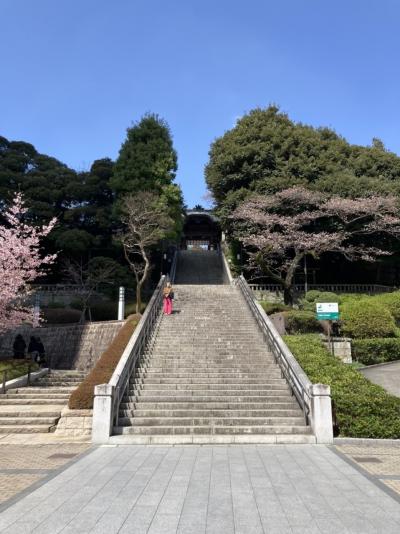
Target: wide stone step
(279, 385)
(155, 406)
(205, 369)
(211, 381)
(158, 430)
(250, 396)
(211, 421)
(216, 413)
(39, 390)
(18, 400)
(48, 396)
(33, 421)
(210, 376)
(212, 439)
(26, 429)
(30, 412)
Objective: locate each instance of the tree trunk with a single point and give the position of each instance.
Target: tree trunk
(288, 295)
(138, 297)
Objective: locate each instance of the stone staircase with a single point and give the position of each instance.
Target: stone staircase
(37, 408)
(209, 378)
(199, 267)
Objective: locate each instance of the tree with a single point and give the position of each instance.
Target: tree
(266, 152)
(20, 263)
(146, 222)
(147, 160)
(89, 278)
(279, 230)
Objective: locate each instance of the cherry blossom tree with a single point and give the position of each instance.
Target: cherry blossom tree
(279, 230)
(20, 263)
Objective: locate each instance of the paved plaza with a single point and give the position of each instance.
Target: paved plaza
(214, 489)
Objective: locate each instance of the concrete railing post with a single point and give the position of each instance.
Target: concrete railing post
(321, 413)
(121, 304)
(102, 413)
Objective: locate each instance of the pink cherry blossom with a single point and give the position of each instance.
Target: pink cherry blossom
(20, 263)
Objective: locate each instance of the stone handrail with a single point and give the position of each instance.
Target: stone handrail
(108, 397)
(314, 399)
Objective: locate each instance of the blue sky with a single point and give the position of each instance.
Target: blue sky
(76, 73)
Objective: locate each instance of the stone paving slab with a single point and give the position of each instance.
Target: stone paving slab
(21, 466)
(238, 489)
(381, 463)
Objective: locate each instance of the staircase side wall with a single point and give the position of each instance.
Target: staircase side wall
(67, 347)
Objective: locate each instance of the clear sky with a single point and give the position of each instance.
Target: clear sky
(76, 73)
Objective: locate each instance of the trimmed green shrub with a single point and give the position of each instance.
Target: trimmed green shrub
(274, 307)
(391, 301)
(301, 322)
(82, 397)
(366, 318)
(363, 409)
(377, 350)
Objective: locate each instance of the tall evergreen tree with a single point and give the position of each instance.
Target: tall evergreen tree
(147, 160)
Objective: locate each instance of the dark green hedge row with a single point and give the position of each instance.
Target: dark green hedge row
(363, 409)
(377, 350)
(82, 397)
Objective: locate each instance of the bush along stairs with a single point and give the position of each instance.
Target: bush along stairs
(37, 408)
(209, 377)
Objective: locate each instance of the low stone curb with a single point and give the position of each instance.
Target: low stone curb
(367, 441)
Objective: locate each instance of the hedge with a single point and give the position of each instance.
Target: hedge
(274, 307)
(82, 397)
(390, 301)
(377, 350)
(301, 322)
(366, 318)
(363, 409)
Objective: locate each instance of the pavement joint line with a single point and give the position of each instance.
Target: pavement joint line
(375, 479)
(26, 471)
(53, 473)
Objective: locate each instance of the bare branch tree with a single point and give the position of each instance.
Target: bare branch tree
(89, 277)
(146, 223)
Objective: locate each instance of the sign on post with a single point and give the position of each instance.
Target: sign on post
(327, 311)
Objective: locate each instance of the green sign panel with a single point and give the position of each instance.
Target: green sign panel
(328, 316)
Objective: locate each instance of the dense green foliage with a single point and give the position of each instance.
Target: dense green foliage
(301, 322)
(274, 307)
(390, 301)
(266, 152)
(377, 350)
(85, 203)
(366, 318)
(363, 409)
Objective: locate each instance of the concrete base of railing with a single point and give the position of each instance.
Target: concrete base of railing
(321, 413)
(102, 413)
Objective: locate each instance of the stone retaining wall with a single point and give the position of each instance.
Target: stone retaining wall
(76, 346)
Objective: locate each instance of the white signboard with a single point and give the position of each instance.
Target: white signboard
(327, 310)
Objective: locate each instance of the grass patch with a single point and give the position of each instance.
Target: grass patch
(16, 368)
(82, 397)
(363, 409)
